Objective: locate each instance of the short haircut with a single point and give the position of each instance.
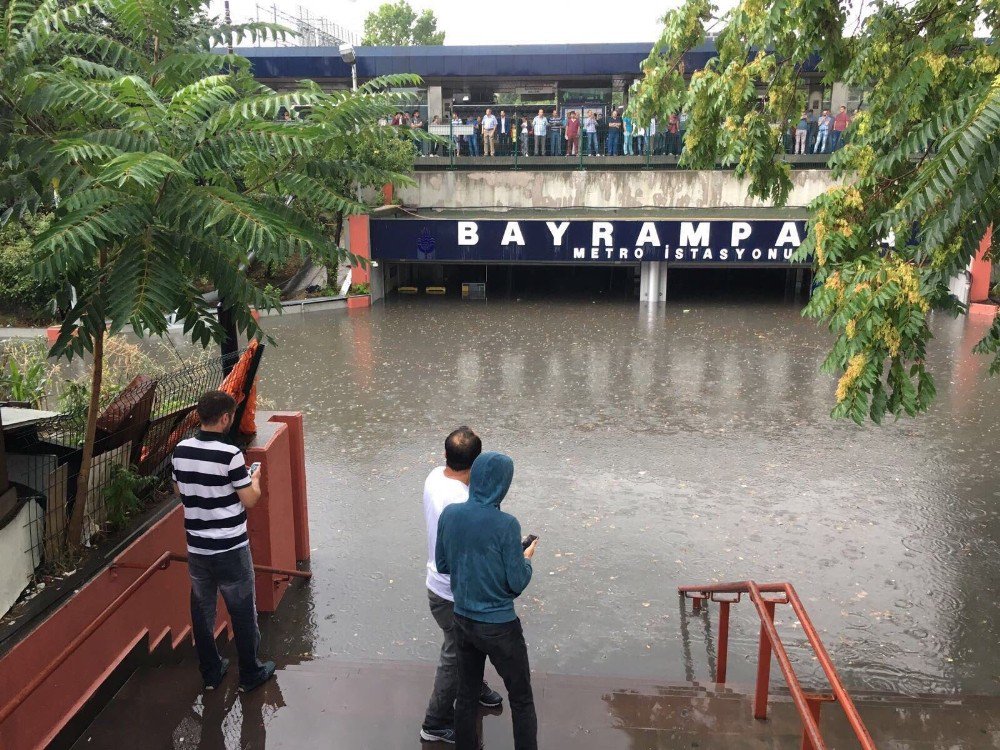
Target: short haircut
(461, 448)
(214, 405)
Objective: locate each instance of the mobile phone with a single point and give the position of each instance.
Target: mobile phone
(525, 543)
(254, 467)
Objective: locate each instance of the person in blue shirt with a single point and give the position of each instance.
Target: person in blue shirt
(479, 546)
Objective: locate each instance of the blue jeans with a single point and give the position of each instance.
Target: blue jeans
(822, 144)
(555, 142)
(473, 145)
(614, 137)
(835, 138)
(628, 143)
(232, 574)
(592, 143)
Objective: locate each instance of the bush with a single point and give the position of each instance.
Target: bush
(22, 295)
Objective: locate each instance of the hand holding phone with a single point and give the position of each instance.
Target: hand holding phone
(529, 545)
(254, 468)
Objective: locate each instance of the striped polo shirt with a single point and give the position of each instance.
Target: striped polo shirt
(208, 471)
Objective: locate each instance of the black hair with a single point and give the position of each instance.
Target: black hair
(461, 448)
(214, 405)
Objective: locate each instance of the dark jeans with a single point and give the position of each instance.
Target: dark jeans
(504, 645)
(232, 574)
(441, 710)
(592, 143)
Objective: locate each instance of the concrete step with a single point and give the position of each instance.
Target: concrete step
(379, 705)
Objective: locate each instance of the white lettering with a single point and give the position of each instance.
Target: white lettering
(468, 233)
(609, 251)
(623, 254)
(648, 235)
(512, 234)
(579, 252)
(756, 253)
(639, 252)
(692, 236)
(739, 253)
(594, 253)
(601, 233)
(789, 234)
(741, 230)
(724, 253)
(788, 253)
(557, 231)
(707, 254)
(772, 253)
(678, 254)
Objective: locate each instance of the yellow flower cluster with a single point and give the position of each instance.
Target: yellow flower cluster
(854, 370)
(905, 275)
(851, 329)
(935, 61)
(890, 336)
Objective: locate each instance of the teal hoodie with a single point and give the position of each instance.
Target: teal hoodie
(479, 545)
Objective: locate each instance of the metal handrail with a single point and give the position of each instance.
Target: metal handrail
(161, 563)
(806, 704)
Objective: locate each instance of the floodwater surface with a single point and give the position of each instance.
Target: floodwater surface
(654, 447)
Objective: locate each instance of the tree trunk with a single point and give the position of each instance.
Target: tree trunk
(75, 530)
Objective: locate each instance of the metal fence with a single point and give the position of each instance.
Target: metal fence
(516, 142)
(136, 434)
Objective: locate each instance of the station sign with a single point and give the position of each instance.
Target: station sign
(696, 242)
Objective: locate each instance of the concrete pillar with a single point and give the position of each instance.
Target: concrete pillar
(838, 96)
(653, 282)
(435, 103)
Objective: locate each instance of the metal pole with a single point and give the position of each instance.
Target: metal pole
(763, 666)
(229, 22)
(354, 76)
(723, 650)
(815, 703)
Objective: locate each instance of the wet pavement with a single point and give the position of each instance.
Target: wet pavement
(683, 445)
(331, 704)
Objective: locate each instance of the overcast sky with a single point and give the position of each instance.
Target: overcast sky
(497, 22)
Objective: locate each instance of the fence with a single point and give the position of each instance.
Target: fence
(515, 140)
(136, 434)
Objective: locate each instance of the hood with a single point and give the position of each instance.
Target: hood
(490, 478)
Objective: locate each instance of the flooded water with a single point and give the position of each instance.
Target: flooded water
(684, 445)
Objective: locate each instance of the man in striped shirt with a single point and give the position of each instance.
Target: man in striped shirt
(211, 476)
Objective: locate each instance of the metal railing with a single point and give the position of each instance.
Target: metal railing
(161, 563)
(765, 597)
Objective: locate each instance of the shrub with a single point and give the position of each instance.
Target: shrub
(21, 292)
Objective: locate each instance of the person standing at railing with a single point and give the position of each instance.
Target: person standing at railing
(673, 128)
(640, 141)
(823, 138)
(651, 144)
(573, 135)
(489, 133)
(813, 130)
(539, 126)
(555, 130)
(682, 123)
(417, 123)
(525, 135)
(629, 126)
(456, 140)
(211, 477)
(614, 133)
(590, 128)
(504, 133)
(801, 134)
(840, 123)
(474, 144)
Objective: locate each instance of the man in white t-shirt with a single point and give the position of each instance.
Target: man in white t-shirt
(446, 485)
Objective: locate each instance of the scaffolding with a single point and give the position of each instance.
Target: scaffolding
(310, 31)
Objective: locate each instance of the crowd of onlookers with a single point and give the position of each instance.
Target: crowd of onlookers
(574, 132)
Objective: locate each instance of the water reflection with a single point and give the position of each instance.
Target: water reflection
(680, 444)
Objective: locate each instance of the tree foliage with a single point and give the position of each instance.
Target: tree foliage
(919, 176)
(397, 24)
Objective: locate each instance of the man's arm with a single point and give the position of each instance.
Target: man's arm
(516, 562)
(247, 487)
(440, 559)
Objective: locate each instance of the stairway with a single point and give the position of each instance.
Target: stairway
(327, 703)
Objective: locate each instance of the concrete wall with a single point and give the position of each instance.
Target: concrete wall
(598, 189)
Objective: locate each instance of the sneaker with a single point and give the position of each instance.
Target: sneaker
(223, 668)
(266, 675)
(438, 735)
(490, 698)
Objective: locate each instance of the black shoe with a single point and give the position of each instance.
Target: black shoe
(266, 675)
(223, 668)
(438, 735)
(490, 698)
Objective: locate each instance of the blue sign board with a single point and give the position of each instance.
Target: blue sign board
(696, 242)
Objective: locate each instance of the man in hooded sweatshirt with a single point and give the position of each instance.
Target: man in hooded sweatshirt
(479, 546)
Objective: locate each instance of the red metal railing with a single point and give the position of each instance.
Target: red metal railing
(161, 563)
(765, 597)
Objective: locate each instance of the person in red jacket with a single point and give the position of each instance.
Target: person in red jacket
(840, 123)
(573, 135)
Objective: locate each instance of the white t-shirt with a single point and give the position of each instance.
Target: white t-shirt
(439, 492)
